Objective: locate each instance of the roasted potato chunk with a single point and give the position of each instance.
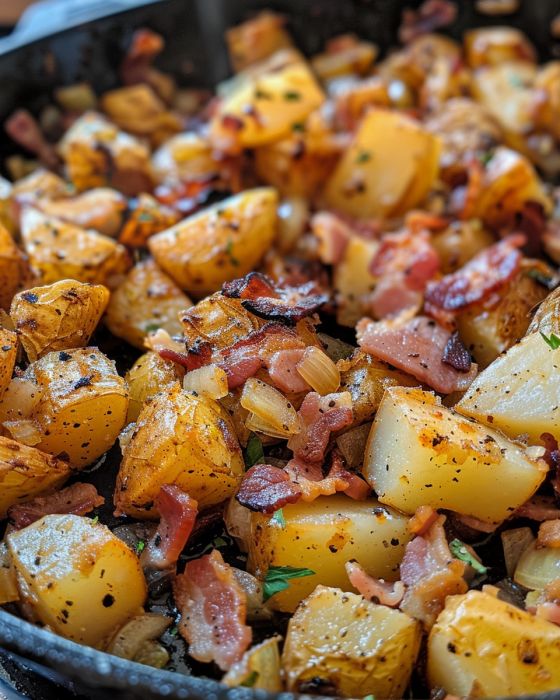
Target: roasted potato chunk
(322, 536)
(179, 439)
(14, 269)
(147, 216)
(147, 300)
(149, 375)
(101, 209)
(76, 577)
(421, 453)
(8, 354)
(59, 316)
(353, 281)
(256, 39)
(220, 243)
(345, 55)
(460, 242)
(184, 157)
(58, 250)
(482, 646)
(491, 46)
(26, 472)
(343, 642)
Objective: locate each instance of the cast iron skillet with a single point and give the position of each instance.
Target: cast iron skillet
(195, 55)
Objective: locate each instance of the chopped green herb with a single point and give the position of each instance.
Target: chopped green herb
(95, 520)
(546, 280)
(173, 631)
(299, 127)
(262, 95)
(277, 577)
(278, 517)
(363, 157)
(486, 157)
(219, 542)
(459, 551)
(253, 452)
(292, 96)
(251, 679)
(553, 341)
(229, 248)
(140, 546)
(152, 327)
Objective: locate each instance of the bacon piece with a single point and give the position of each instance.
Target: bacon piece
(77, 499)
(375, 589)
(177, 512)
(314, 482)
(320, 416)
(485, 273)
(455, 354)
(415, 346)
(137, 63)
(196, 356)
(213, 610)
(23, 128)
(422, 520)
(282, 370)
(549, 534)
(475, 523)
(252, 286)
(333, 234)
(549, 611)
(266, 488)
(417, 221)
(430, 573)
(431, 15)
(539, 508)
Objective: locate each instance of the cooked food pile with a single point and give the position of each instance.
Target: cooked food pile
(331, 292)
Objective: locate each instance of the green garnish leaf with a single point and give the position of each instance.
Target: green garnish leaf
(152, 327)
(277, 577)
(363, 157)
(140, 546)
(553, 341)
(219, 542)
(292, 96)
(251, 679)
(253, 452)
(262, 95)
(459, 551)
(173, 631)
(95, 520)
(486, 157)
(299, 127)
(229, 252)
(278, 517)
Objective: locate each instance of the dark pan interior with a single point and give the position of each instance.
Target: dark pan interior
(44, 665)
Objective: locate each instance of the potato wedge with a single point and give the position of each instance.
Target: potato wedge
(421, 453)
(101, 208)
(389, 168)
(76, 577)
(59, 316)
(147, 300)
(8, 354)
(58, 250)
(519, 393)
(322, 536)
(481, 646)
(14, 269)
(149, 375)
(344, 643)
(179, 439)
(220, 243)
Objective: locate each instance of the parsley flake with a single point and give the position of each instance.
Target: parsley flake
(278, 517)
(140, 546)
(152, 327)
(253, 452)
(460, 552)
(292, 96)
(553, 341)
(251, 679)
(219, 542)
(363, 157)
(298, 127)
(229, 252)
(486, 157)
(95, 520)
(277, 577)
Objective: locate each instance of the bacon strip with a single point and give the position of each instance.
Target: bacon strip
(375, 589)
(539, 508)
(333, 235)
(23, 128)
(213, 610)
(416, 346)
(137, 63)
(313, 483)
(177, 511)
(266, 488)
(422, 520)
(77, 499)
(431, 15)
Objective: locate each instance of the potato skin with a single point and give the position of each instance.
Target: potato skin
(221, 243)
(76, 577)
(146, 300)
(351, 645)
(179, 439)
(26, 472)
(14, 269)
(8, 354)
(149, 375)
(59, 316)
(486, 646)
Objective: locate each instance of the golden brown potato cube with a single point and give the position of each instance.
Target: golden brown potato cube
(59, 316)
(353, 281)
(220, 243)
(548, 111)
(345, 55)
(147, 300)
(58, 250)
(97, 154)
(40, 184)
(256, 39)
(14, 269)
(26, 472)
(149, 375)
(8, 354)
(460, 242)
(76, 577)
(179, 439)
(490, 46)
(184, 157)
(147, 217)
(101, 209)
(353, 647)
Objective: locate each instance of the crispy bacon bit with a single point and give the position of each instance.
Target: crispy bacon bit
(475, 281)
(456, 354)
(266, 488)
(431, 15)
(417, 221)
(177, 512)
(320, 416)
(136, 66)
(375, 589)
(531, 220)
(549, 534)
(252, 286)
(78, 499)
(539, 508)
(415, 346)
(196, 356)
(422, 520)
(333, 234)
(430, 573)
(213, 610)
(23, 128)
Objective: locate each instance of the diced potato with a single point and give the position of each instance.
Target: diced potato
(149, 375)
(179, 439)
(26, 472)
(101, 208)
(14, 269)
(483, 647)
(184, 157)
(388, 169)
(548, 83)
(353, 281)
(8, 354)
(322, 536)
(421, 453)
(79, 404)
(350, 646)
(146, 217)
(491, 46)
(519, 393)
(353, 58)
(221, 243)
(40, 184)
(460, 242)
(58, 250)
(262, 106)
(259, 668)
(59, 316)
(147, 300)
(256, 39)
(76, 577)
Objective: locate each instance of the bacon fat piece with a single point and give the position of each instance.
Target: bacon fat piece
(266, 488)
(375, 589)
(77, 499)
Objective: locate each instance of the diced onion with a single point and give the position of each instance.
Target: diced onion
(352, 444)
(537, 567)
(238, 523)
(271, 410)
(133, 640)
(210, 380)
(259, 667)
(19, 399)
(514, 543)
(293, 214)
(256, 608)
(319, 371)
(24, 431)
